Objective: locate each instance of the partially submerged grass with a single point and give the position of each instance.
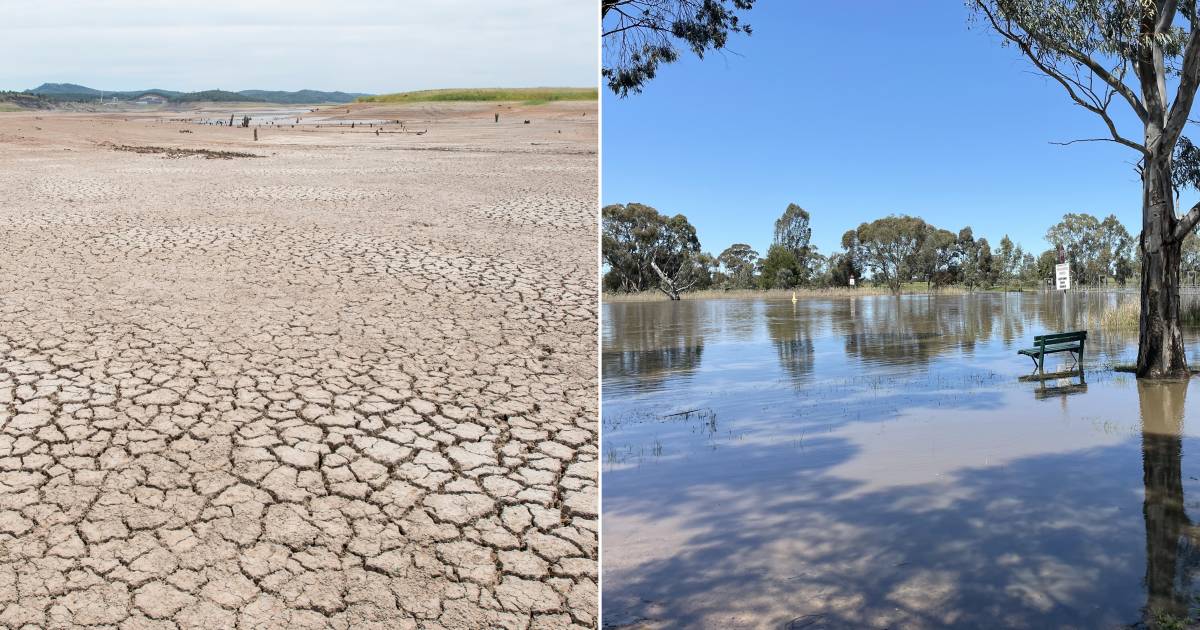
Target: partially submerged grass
(1125, 314)
(529, 96)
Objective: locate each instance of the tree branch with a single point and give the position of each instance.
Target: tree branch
(1052, 44)
(1070, 142)
(1185, 94)
(1186, 223)
(1053, 73)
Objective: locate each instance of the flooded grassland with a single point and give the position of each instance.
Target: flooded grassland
(876, 462)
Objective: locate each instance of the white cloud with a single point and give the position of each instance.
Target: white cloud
(350, 45)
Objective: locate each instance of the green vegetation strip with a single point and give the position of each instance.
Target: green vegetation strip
(531, 96)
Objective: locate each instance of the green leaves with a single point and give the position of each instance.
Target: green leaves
(639, 35)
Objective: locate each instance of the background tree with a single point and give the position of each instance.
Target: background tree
(1079, 235)
(1029, 273)
(1126, 51)
(780, 269)
(1116, 250)
(1009, 258)
(1045, 266)
(840, 268)
(794, 233)
(639, 35)
(1189, 266)
(889, 247)
(636, 239)
(792, 229)
(1097, 250)
(739, 261)
(706, 269)
(939, 257)
(978, 269)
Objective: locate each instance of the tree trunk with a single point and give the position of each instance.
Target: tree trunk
(667, 285)
(1160, 342)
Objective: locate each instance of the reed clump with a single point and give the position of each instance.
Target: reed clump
(1125, 315)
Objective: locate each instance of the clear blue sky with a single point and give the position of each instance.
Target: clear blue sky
(855, 111)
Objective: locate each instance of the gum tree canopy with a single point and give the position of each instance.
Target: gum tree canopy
(640, 34)
(647, 250)
(1123, 53)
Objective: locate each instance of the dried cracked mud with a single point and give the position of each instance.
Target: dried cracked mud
(347, 385)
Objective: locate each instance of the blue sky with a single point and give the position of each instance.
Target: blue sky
(859, 110)
(350, 45)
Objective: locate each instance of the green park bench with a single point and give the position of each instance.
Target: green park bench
(1058, 342)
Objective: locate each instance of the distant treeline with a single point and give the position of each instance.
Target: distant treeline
(70, 92)
(644, 250)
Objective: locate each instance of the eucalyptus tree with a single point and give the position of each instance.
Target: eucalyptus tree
(1009, 258)
(780, 269)
(939, 256)
(793, 232)
(739, 261)
(645, 250)
(841, 267)
(1116, 249)
(889, 247)
(978, 264)
(1079, 235)
(1126, 52)
(638, 35)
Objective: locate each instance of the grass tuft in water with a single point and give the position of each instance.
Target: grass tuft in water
(1125, 314)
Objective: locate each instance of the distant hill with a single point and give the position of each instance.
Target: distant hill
(530, 96)
(303, 96)
(63, 88)
(212, 95)
(61, 92)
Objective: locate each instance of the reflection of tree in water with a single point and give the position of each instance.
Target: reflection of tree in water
(1171, 549)
(913, 330)
(790, 327)
(1011, 316)
(1063, 311)
(649, 342)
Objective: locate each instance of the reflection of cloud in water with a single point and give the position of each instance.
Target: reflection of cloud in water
(844, 488)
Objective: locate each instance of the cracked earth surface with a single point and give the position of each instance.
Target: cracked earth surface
(351, 384)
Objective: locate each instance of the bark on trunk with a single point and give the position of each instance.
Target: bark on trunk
(667, 285)
(1160, 343)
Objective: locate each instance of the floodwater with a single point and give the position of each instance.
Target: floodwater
(875, 462)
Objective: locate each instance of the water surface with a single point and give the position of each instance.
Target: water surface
(875, 462)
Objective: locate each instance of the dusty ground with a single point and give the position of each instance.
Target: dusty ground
(347, 384)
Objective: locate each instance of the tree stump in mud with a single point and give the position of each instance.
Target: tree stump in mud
(231, 120)
(256, 135)
(497, 117)
(245, 121)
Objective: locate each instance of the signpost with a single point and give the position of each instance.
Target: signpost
(1062, 276)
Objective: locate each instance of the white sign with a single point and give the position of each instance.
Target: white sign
(1062, 276)
(851, 280)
